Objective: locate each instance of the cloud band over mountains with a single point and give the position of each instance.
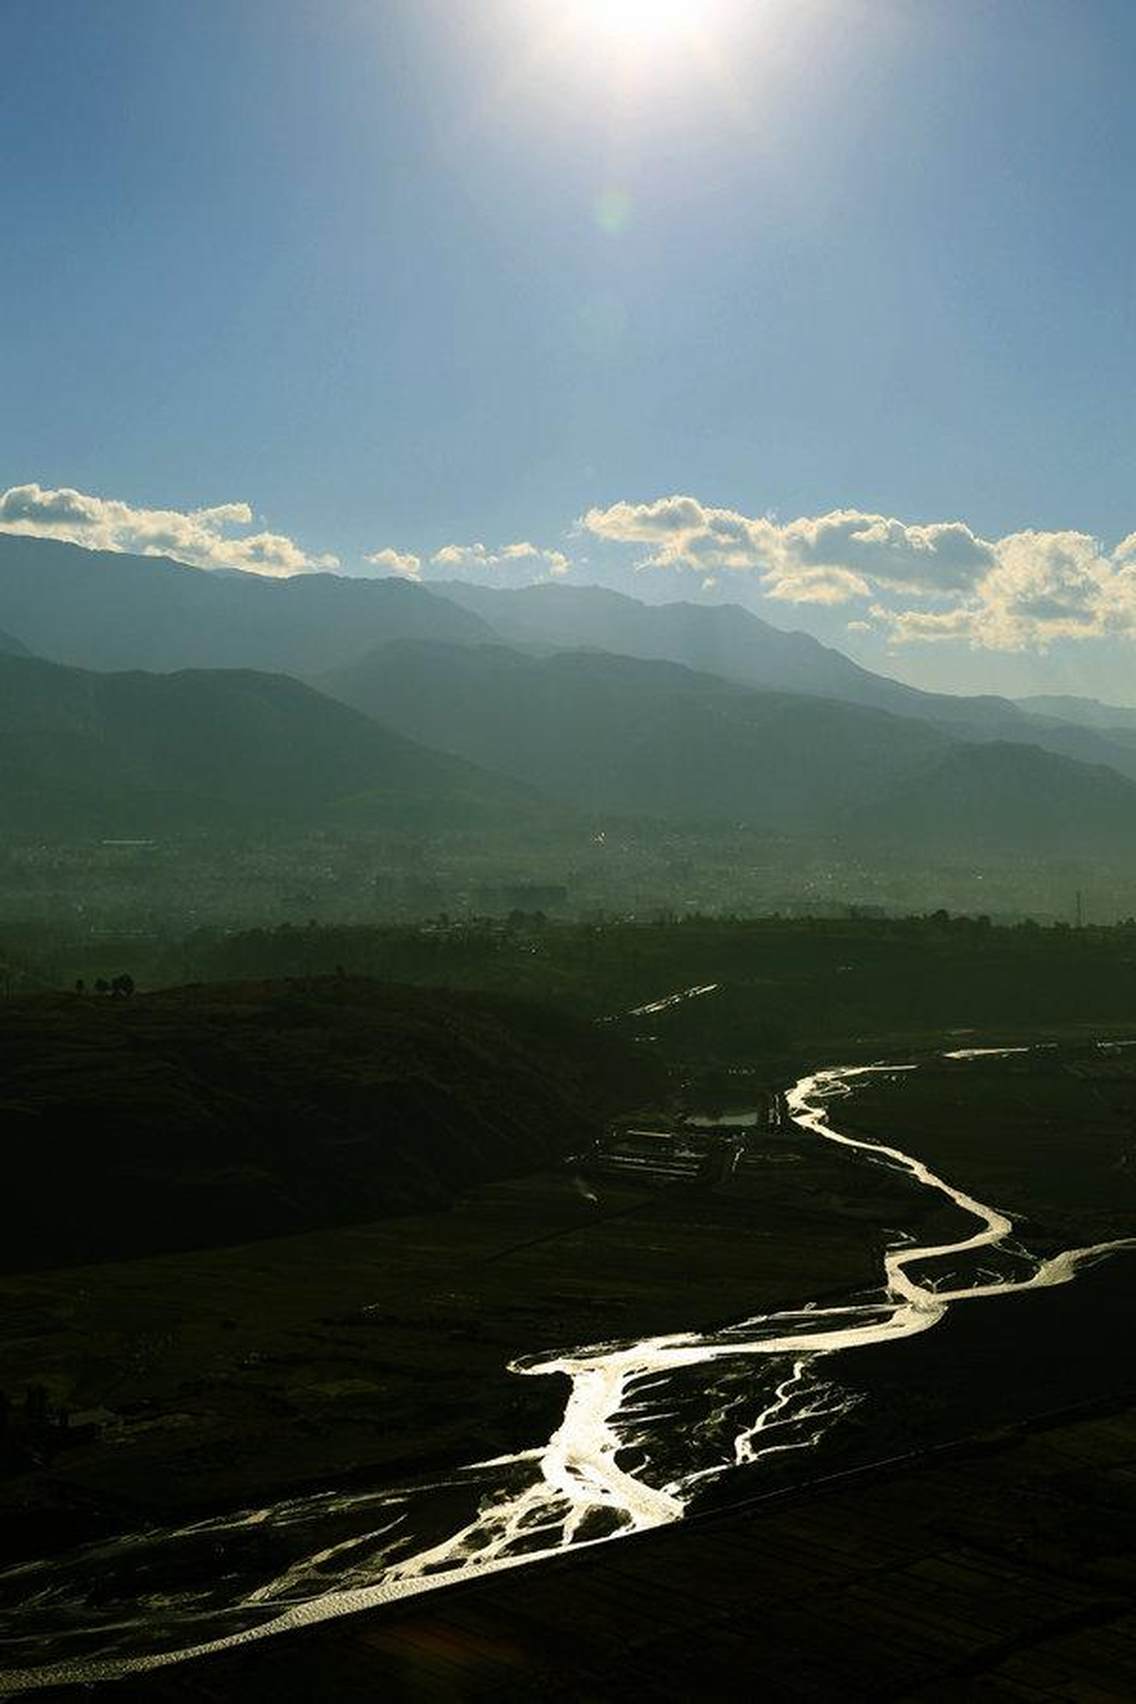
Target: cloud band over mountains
(911, 583)
(202, 537)
(519, 564)
(923, 582)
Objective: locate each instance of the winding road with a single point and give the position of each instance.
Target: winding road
(732, 1397)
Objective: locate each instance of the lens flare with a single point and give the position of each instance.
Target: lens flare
(612, 210)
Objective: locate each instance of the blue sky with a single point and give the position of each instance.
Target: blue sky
(406, 276)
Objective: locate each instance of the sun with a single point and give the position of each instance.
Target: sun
(630, 47)
(636, 23)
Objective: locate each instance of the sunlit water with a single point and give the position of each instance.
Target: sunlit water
(645, 1426)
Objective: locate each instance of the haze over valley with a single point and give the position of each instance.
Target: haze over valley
(197, 713)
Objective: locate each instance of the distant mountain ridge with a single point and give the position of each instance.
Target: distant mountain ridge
(721, 639)
(110, 611)
(984, 798)
(680, 712)
(727, 640)
(1112, 719)
(617, 734)
(106, 610)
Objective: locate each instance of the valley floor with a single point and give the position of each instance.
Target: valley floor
(230, 1376)
(1004, 1570)
(968, 1531)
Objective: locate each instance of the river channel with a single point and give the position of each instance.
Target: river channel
(647, 1426)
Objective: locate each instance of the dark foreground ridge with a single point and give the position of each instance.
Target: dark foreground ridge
(199, 1116)
(1002, 1568)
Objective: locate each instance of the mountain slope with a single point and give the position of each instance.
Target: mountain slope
(10, 646)
(720, 639)
(104, 610)
(732, 642)
(138, 754)
(1116, 720)
(113, 611)
(647, 738)
(197, 1116)
(998, 797)
(623, 735)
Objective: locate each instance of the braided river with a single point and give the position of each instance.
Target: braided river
(646, 1427)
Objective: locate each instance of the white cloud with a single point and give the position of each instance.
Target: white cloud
(1044, 587)
(917, 583)
(817, 585)
(823, 559)
(1016, 593)
(519, 564)
(396, 562)
(925, 624)
(201, 537)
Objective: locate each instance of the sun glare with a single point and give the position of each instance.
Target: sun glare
(637, 22)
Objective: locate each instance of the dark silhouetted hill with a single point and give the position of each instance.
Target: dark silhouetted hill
(199, 1116)
(141, 754)
(11, 646)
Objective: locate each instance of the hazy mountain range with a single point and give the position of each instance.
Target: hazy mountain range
(467, 706)
(622, 735)
(106, 610)
(1111, 719)
(650, 738)
(729, 641)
